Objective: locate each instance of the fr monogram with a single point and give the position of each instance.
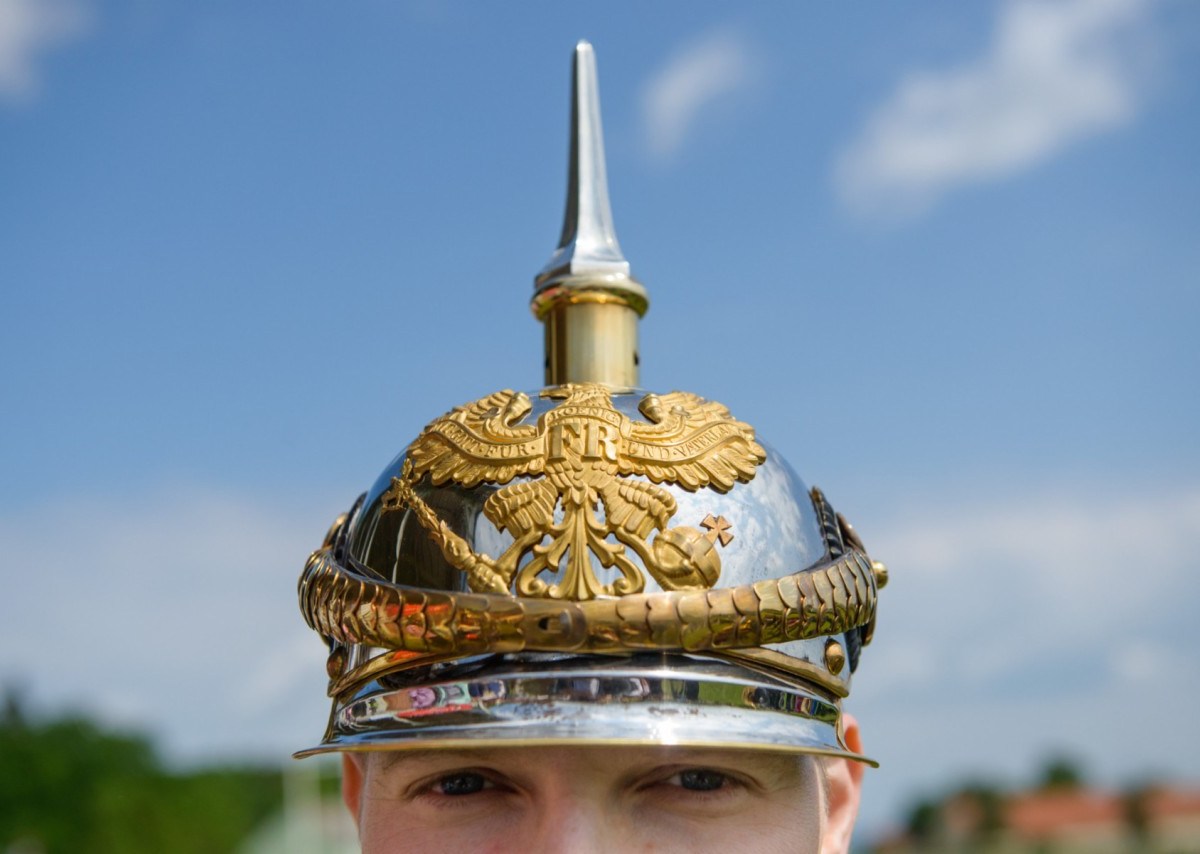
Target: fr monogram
(590, 440)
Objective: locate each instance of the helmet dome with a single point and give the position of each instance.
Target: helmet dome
(585, 530)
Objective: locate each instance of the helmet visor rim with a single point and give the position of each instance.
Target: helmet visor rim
(638, 701)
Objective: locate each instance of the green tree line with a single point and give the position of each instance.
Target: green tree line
(69, 785)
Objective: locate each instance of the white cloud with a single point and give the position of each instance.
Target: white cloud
(174, 611)
(28, 28)
(1013, 629)
(703, 73)
(1057, 71)
(986, 592)
(1095, 576)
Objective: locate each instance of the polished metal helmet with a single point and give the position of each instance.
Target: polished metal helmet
(590, 563)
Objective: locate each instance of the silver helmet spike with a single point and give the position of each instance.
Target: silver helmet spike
(585, 293)
(588, 245)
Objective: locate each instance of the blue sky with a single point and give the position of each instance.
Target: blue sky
(943, 256)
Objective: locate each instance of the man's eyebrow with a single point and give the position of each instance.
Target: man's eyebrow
(701, 753)
(781, 766)
(391, 759)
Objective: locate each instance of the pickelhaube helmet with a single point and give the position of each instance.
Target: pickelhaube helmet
(590, 563)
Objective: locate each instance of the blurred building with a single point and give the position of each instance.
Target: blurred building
(1060, 820)
(313, 820)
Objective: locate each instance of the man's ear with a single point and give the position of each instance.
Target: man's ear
(353, 773)
(844, 778)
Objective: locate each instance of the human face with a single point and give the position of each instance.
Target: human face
(585, 799)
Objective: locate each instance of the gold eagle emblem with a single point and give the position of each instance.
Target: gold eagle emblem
(578, 497)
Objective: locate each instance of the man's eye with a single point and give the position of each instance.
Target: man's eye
(466, 783)
(702, 780)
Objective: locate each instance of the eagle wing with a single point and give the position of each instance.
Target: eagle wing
(478, 442)
(695, 443)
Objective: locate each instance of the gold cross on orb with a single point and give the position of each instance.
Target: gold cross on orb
(718, 529)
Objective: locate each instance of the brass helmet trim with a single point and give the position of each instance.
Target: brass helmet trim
(350, 607)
